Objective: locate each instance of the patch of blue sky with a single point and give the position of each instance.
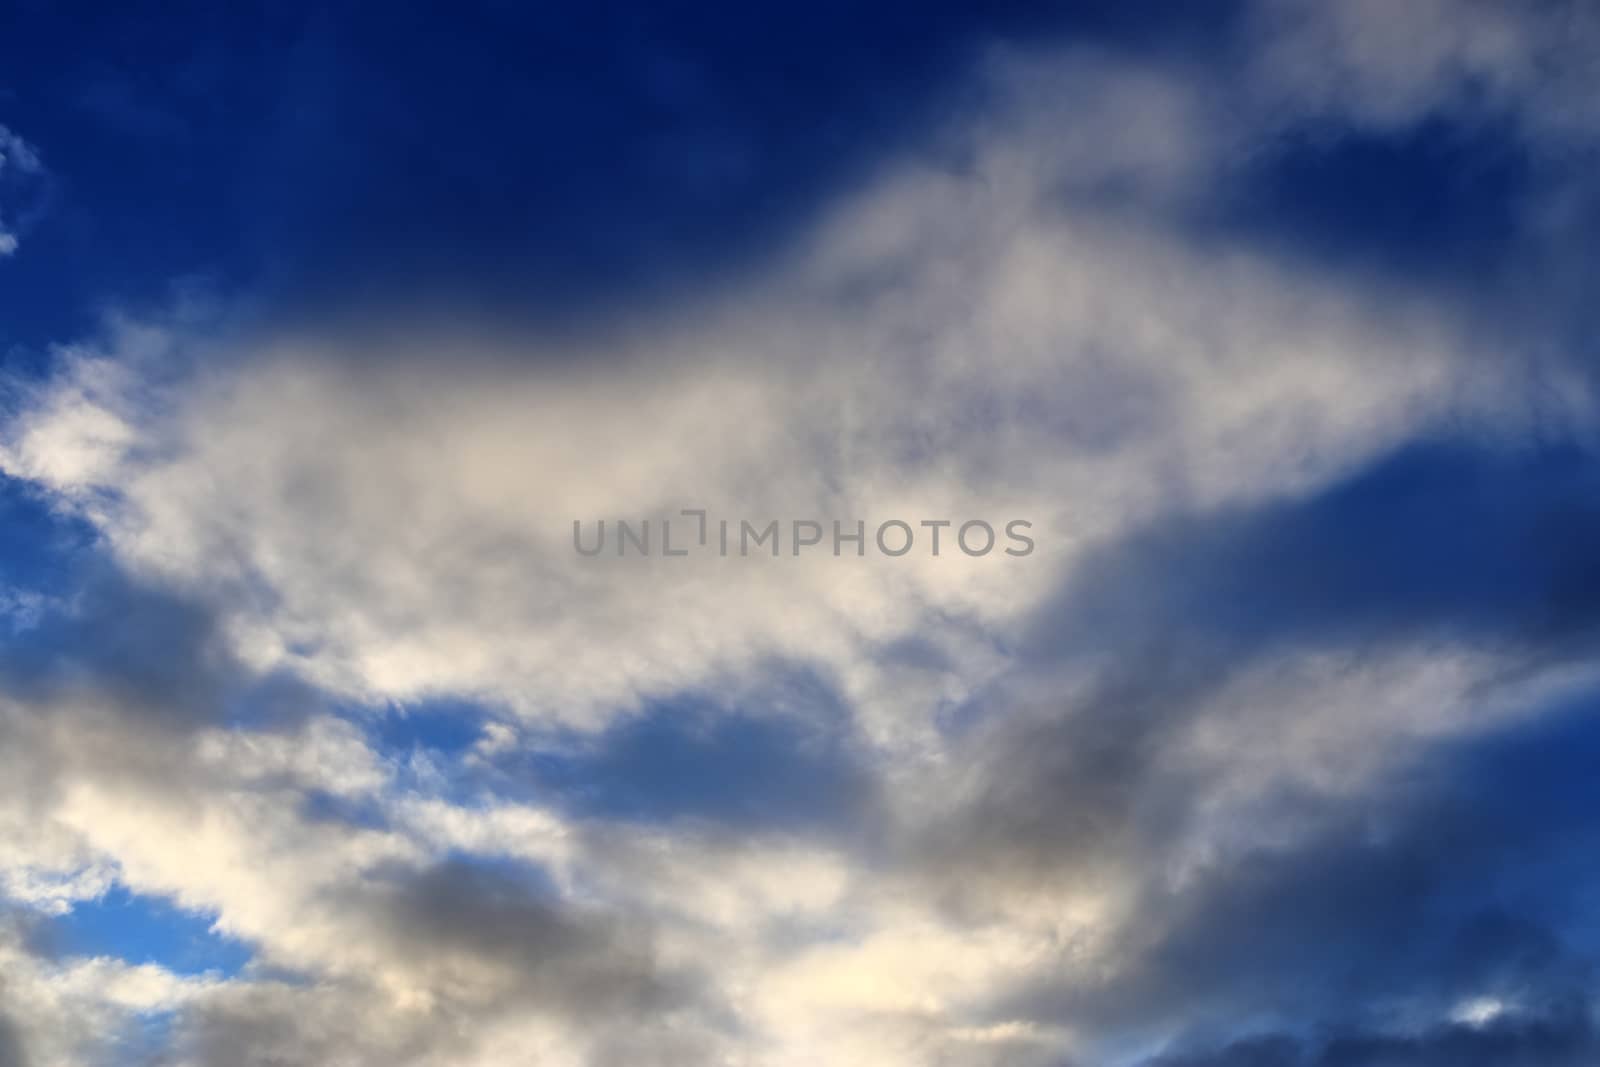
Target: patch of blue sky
(446, 727)
(41, 549)
(141, 929)
(678, 760)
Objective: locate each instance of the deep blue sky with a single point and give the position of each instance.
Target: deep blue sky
(558, 162)
(528, 159)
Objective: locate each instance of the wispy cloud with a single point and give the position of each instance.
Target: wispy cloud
(18, 163)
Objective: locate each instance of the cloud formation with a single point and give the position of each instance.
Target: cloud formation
(1274, 753)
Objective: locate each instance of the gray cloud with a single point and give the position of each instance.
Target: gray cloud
(538, 953)
(11, 1049)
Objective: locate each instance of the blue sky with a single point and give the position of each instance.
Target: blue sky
(320, 743)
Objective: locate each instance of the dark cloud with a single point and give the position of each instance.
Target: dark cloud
(546, 954)
(1460, 875)
(490, 942)
(1433, 542)
(1566, 1039)
(1456, 874)
(279, 1026)
(11, 1048)
(1057, 795)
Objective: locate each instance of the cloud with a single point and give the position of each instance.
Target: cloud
(1389, 66)
(19, 165)
(410, 525)
(1261, 758)
(11, 1054)
(1567, 1038)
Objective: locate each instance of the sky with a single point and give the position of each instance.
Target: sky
(1157, 448)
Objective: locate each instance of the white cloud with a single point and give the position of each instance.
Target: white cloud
(948, 345)
(989, 340)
